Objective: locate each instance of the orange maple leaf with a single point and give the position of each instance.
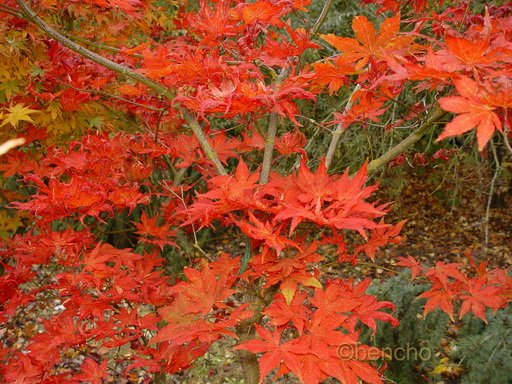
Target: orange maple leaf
(368, 43)
(263, 12)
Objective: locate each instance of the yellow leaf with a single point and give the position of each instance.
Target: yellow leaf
(312, 282)
(447, 368)
(288, 288)
(8, 224)
(16, 114)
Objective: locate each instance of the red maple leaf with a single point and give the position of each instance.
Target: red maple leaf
(473, 110)
(275, 352)
(262, 11)
(151, 233)
(442, 272)
(438, 298)
(265, 231)
(281, 313)
(92, 371)
(332, 75)
(410, 262)
(480, 296)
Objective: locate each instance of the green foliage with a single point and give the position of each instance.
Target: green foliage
(418, 338)
(485, 351)
(482, 351)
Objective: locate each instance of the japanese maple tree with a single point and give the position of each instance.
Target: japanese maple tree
(144, 123)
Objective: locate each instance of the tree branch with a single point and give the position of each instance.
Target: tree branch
(413, 138)
(205, 144)
(100, 46)
(322, 17)
(336, 135)
(82, 51)
(11, 11)
(30, 15)
(271, 135)
(269, 148)
(272, 123)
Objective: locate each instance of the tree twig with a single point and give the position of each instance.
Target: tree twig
(489, 198)
(413, 138)
(269, 148)
(82, 51)
(100, 46)
(323, 15)
(11, 11)
(205, 144)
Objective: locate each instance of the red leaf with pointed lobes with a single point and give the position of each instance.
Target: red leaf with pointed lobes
(151, 233)
(368, 43)
(275, 353)
(473, 110)
(92, 372)
(412, 263)
(281, 313)
(291, 142)
(479, 297)
(262, 11)
(379, 237)
(332, 75)
(227, 193)
(333, 201)
(474, 52)
(438, 298)
(267, 232)
(442, 272)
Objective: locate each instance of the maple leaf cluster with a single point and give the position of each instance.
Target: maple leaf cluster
(321, 320)
(314, 354)
(94, 281)
(476, 63)
(99, 298)
(452, 282)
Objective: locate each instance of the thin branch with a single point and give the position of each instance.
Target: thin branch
(109, 96)
(106, 96)
(322, 17)
(194, 232)
(11, 11)
(271, 135)
(413, 138)
(269, 148)
(158, 88)
(336, 135)
(101, 46)
(203, 141)
(505, 132)
(507, 143)
(491, 193)
(272, 123)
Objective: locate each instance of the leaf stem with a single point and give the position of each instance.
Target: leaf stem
(413, 138)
